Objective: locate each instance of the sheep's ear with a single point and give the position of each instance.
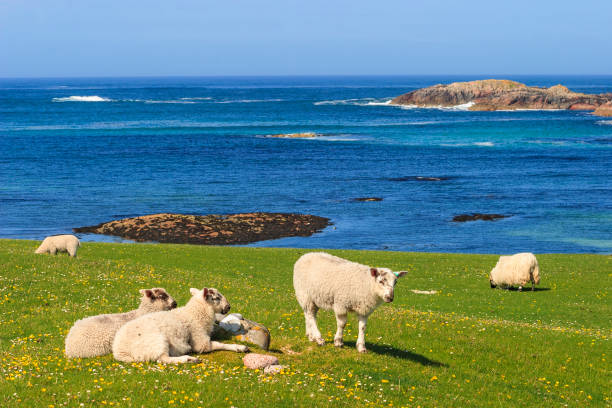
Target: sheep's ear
(148, 293)
(374, 272)
(400, 273)
(205, 292)
(194, 291)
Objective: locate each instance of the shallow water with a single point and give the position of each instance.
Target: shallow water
(77, 152)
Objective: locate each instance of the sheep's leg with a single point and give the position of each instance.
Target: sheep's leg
(53, 251)
(363, 321)
(166, 359)
(238, 348)
(520, 288)
(312, 331)
(341, 322)
(532, 286)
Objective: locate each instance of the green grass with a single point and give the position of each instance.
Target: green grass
(468, 345)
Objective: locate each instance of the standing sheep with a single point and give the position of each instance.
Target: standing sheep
(59, 243)
(516, 269)
(167, 337)
(93, 336)
(324, 281)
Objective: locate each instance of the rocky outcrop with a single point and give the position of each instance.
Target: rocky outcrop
(495, 94)
(604, 110)
(211, 229)
(477, 217)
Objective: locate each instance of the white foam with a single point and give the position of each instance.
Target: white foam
(162, 101)
(385, 103)
(604, 122)
(197, 98)
(87, 98)
(356, 102)
(486, 144)
(463, 106)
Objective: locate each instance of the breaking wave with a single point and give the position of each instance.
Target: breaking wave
(461, 107)
(87, 98)
(356, 102)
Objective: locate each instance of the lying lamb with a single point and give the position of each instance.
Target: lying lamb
(59, 243)
(167, 337)
(516, 269)
(325, 281)
(93, 336)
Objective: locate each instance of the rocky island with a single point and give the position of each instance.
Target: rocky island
(213, 229)
(501, 94)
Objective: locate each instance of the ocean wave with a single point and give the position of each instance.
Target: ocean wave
(313, 136)
(604, 122)
(79, 98)
(197, 98)
(251, 101)
(145, 124)
(170, 101)
(479, 144)
(356, 102)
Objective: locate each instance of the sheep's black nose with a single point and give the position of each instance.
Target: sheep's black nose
(227, 309)
(173, 305)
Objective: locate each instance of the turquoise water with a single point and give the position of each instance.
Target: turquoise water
(77, 152)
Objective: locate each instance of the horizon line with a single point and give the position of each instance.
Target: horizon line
(288, 76)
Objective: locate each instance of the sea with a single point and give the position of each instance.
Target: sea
(80, 151)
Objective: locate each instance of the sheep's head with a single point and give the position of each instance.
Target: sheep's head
(214, 298)
(157, 299)
(385, 282)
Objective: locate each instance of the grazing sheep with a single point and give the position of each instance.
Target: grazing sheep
(59, 243)
(324, 281)
(93, 336)
(516, 269)
(167, 337)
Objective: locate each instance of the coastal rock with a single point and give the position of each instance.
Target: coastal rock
(478, 216)
(211, 229)
(604, 110)
(256, 361)
(494, 94)
(366, 199)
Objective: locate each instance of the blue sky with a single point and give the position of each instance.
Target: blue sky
(313, 37)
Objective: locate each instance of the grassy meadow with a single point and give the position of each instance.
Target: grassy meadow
(467, 345)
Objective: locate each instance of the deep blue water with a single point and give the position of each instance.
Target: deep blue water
(198, 145)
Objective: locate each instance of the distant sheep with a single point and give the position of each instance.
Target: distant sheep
(167, 337)
(93, 336)
(59, 243)
(516, 269)
(324, 281)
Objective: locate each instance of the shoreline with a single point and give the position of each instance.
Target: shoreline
(35, 243)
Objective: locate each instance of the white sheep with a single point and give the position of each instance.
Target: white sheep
(93, 336)
(59, 243)
(516, 269)
(167, 337)
(324, 281)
